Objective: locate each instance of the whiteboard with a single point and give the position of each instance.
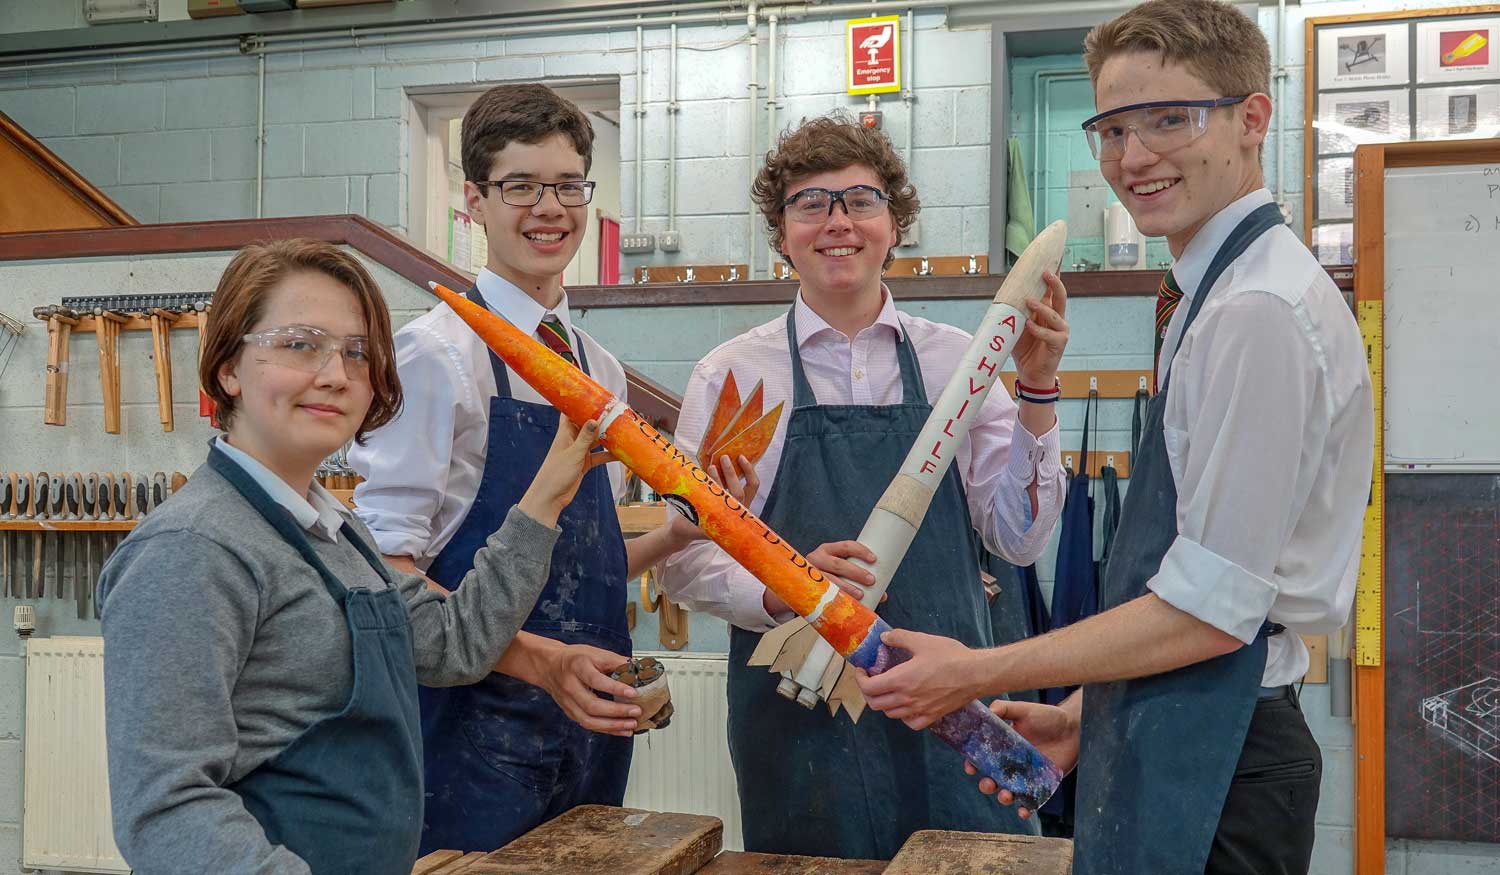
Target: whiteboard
(1442, 309)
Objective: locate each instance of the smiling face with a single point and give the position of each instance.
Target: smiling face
(1174, 193)
(531, 246)
(288, 419)
(838, 257)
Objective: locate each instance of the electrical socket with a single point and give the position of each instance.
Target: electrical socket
(912, 237)
(637, 244)
(669, 241)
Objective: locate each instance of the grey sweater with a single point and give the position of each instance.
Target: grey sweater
(222, 646)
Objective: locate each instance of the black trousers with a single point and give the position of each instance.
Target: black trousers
(1269, 815)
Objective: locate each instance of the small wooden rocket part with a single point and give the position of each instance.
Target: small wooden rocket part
(738, 429)
(649, 677)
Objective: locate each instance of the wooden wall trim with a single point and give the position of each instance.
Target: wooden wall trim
(415, 264)
(87, 193)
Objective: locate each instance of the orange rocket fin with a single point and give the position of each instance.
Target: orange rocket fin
(749, 412)
(753, 441)
(724, 412)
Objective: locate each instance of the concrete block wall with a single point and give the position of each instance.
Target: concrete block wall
(175, 141)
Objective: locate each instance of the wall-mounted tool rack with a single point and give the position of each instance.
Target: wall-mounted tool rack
(106, 316)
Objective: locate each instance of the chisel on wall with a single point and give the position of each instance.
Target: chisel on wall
(7, 489)
(56, 509)
(21, 582)
(38, 538)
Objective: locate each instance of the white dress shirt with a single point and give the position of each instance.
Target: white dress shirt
(422, 470)
(319, 513)
(1269, 428)
(997, 461)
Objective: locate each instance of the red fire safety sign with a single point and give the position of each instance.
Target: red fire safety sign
(872, 50)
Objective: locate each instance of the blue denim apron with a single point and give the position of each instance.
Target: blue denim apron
(346, 794)
(826, 786)
(501, 756)
(1158, 752)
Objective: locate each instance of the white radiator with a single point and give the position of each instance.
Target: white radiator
(685, 767)
(66, 822)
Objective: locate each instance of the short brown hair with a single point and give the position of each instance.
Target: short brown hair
(240, 301)
(832, 142)
(1215, 41)
(524, 113)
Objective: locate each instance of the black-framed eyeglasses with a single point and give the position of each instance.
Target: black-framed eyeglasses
(815, 205)
(1160, 125)
(526, 193)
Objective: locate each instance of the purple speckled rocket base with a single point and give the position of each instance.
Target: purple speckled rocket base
(975, 732)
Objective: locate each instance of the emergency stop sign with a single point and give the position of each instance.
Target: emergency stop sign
(872, 52)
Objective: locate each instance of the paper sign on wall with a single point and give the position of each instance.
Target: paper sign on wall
(872, 54)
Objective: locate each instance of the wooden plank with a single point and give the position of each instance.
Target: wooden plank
(637, 519)
(1369, 770)
(66, 525)
(691, 273)
(1117, 459)
(940, 852)
(461, 866)
(1076, 384)
(940, 265)
(433, 861)
(610, 841)
(744, 863)
(1317, 656)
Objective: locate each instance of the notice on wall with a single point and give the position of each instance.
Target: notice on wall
(872, 54)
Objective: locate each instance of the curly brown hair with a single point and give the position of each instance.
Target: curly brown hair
(823, 144)
(523, 113)
(240, 300)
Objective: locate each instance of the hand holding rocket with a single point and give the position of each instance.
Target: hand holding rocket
(851, 628)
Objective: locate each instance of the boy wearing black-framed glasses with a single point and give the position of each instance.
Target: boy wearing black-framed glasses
(858, 376)
(534, 739)
(1242, 524)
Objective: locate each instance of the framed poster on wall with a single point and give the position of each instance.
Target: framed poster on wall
(1390, 77)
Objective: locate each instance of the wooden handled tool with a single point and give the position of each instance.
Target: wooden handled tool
(60, 322)
(39, 488)
(107, 332)
(73, 492)
(56, 509)
(142, 496)
(158, 490)
(90, 506)
(205, 403)
(161, 350)
(21, 582)
(7, 579)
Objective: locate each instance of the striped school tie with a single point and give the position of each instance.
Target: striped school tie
(1166, 302)
(555, 336)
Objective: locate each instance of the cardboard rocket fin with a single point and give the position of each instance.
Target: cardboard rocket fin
(772, 642)
(846, 693)
(796, 649)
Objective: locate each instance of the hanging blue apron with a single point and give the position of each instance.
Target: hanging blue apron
(825, 786)
(1158, 752)
(346, 794)
(1075, 595)
(501, 756)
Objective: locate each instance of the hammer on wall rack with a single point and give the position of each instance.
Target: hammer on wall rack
(60, 321)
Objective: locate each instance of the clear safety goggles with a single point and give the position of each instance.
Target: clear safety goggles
(308, 349)
(1160, 125)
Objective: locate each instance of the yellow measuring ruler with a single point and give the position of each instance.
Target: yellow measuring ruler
(1368, 604)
